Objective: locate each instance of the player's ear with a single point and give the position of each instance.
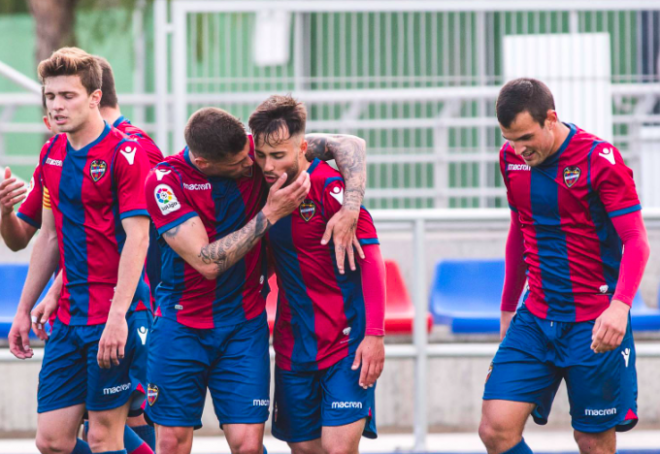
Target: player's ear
(303, 147)
(95, 98)
(47, 122)
(551, 118)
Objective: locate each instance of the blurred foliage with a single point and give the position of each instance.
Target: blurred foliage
(13, 6)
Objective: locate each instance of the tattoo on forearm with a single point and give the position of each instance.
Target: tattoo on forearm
(350, 154)
(228, 250)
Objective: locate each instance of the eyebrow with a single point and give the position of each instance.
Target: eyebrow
(523, 137)
(58, 93)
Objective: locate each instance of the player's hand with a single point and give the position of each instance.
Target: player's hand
(371, 353)
(11, 192)
(505, 321)
(282, 201)
(19, 342)
(341, 228)
(41, 314)
(113, 341)
(610, 327)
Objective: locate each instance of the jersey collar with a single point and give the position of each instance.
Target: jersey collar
(89, 146)
(120, 120)
(313, 166)
(552, 160)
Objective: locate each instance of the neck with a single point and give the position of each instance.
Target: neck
(110, 114)
(562, 133)
(88, 133)
(191, 155)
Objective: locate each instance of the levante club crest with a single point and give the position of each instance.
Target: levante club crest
(97, 170)
(152, 394)
(307, 210)
(571, 175)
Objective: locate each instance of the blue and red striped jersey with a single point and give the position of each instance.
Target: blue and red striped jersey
(320, 313)
(177, 191)
(565, 206)
(30, 209)
(148, 145)
(91, 191)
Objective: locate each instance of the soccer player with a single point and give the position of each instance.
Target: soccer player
(577, 235)
(93, 177)
(328, 324)
(212, 208)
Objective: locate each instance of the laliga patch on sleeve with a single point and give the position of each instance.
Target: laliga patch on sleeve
(167, 201)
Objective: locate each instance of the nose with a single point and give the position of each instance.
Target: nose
(268, 165)
(518, 148)
(248, 162)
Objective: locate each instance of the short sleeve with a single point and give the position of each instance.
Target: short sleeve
(130, 171)
(166, 201)
(30, 209)
(333, 199)
(154, 155)
(504, 154)
(612, 180)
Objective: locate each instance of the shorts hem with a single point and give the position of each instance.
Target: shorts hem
(110, 406)
(619, 426)
(167, 422)
(297, 439)
(53, 407)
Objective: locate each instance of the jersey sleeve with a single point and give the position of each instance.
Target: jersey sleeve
(612, 180)
(130, 170)
(30, 209)
(166, 201)
(333, 199)
(154, 155)
(504, 154)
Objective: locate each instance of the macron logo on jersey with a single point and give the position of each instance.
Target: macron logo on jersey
(608, 154)
(54, 162)
(338, 194)
(160, 173)
(167, 201)
(197, 186)
(129, 154)
(519, 167)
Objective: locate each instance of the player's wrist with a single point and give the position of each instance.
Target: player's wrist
(269, 214)
(620, 305)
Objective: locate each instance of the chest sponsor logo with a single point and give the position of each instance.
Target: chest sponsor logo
(608, 154)
(338, 194)
(53, 162)
(152, 394)
(167, 201)
(571, 176)
(626, 356)
(117, 389)
(347, 404)
(307, 209)
(129, 154)
(197, 186)
(97, 169)
(523, 167)
(160, 173)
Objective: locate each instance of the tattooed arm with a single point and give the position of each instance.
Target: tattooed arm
(191, 242)
(349, 152)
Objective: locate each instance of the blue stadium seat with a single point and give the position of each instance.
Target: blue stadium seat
(466, 295)
(12, 277)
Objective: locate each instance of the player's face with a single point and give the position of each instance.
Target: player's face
(68, 103)
(531, 140)
(284, 156)
(234, 167)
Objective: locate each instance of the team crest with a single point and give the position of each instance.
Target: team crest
(571, 175)
(97, 170)
(307, 210)
(152, 394)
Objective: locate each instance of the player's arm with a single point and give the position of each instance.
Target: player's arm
(43, 263)
(190, 241)
(349, 152)
(16, 233)
(514, 273)
(371, 351)
(131, 264)
(611, 326)
(42, 311)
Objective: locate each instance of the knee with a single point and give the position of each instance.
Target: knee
(247, 446)
(172, 440)
(54, 445)
(594, 443)
(497, 437)
(339, 449)
(300, 448)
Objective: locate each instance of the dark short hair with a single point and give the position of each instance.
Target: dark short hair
(272, 115)
(109, 97)
(215, 134)
(71, 61)
(524, 95)
(43, 99)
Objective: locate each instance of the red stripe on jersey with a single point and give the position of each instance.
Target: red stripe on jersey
(283, 332)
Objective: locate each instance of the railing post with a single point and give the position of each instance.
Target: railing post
(420, 335)
(162, 68)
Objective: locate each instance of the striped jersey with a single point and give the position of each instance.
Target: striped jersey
(565, 206)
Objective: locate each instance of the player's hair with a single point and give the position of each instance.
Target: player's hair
(71, 61)
(43, 99)
(267, 122)
(524, 94)
(109, 97)
(215, 134)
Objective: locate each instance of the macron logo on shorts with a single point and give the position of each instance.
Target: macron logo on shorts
(117, 389)
(626, 355)
(603, 412)
(342, 405)
(261, 403)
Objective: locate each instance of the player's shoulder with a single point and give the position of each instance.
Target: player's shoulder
(56, 140)
(171, 170)
(321, 174)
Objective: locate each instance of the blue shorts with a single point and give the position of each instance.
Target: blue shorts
(233, 362)
(139, 324)
(70, 374)
(537, 354)
(307, 401)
